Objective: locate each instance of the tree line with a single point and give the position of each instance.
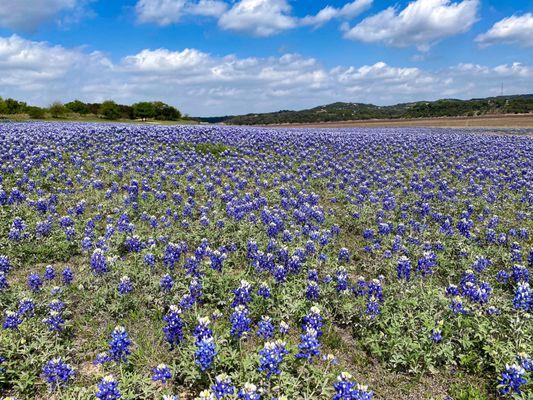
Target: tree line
(335, 112)
(108, 110)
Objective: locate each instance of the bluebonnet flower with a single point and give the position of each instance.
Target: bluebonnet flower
(309, 346)
(149, 260)
(404, 268)
(342, 279)
(344, 255)
(68, 276)
(347, 389)
(312, 275)
(223, 386)
(512, 378)
(240, 322)
(161, 373)
(119, 345)
(265, 328)
(34, 282)
(56, 305)
(202, 330)
(11, 320)
(98, 262)
(125, 286)
(502, 276)
(86, 243)
(55, 321)
(217, 259)
(3, 281)
(280, 273)
(312, 291)
(242, 294)
(57, 373)
(133, 244)
(313, 320)
(522, 299)
(5, 265)
(108, 389)
(205, 352)
(166, 282)
(249, 392)
(436, 335)
(271, 356)
(102, 358)
(481, 264)
(264, 291)
(26, 308)
(457, 307)
(49, 273)
(525, 362)
(372, 308)
(173, 329)
(520, 273)
(283, 328)
(427, 263)
(375, 290)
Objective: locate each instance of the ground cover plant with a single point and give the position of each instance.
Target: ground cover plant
(186, 262)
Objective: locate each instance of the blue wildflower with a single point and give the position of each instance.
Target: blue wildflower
(161, 373)
(223, 386)
(108, 389)
(173, 329)
(240, 322)
(271, 356)
(205, 353)
(119, 345)
(57, 373)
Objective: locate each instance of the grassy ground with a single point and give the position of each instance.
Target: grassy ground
(487, 121)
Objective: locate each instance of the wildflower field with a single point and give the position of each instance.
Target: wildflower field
(201, 262)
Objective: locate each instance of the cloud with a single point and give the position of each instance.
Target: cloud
(421, 23)
(200, 83)
(259, 17)
(349, 10)
(517, 29)
(166, 12)
(27, 15)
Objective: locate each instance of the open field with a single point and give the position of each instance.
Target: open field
(212, 262)
(487, 121)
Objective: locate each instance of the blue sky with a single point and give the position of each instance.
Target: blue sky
(212, 57)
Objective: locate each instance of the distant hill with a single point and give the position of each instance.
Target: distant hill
(339, 111)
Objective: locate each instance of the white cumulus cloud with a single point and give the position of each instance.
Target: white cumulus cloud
(421, 23)
(29, 14)
(259, 17)
(517, 29)
(166, 12)
(200, 83)
(349, 10)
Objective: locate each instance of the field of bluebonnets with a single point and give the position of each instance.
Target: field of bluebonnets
(151, 262)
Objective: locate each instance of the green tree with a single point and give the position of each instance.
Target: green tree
(143, 110)
(109, 110)
(35, 112)
(165, 112)
(57, 109)
(78, 107)
(3, 106)
(14, 106)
